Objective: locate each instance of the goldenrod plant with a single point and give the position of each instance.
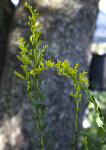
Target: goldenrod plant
(33, 59)
(84, 140)
(32, 63)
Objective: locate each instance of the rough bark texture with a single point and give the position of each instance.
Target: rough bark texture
(68, 28)
(6, 14)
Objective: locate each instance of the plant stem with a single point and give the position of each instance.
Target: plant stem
(76, 122)
(39, 118)
(76, 116)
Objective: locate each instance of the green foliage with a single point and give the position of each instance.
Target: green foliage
(97, 135)
(101, 127)
(84, 140)
(32, 63)
(31, 59)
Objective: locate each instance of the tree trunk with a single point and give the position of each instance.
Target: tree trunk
(6, 14)
(68, 28)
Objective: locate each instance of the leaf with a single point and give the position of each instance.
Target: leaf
(19, 75)
(100, 131)
(92, 99)
(45, 125)
(71, 94)
(43, 114)
(94, 141)
(42, 97)
(74, 122)
(47, 134)
(99, 110)
(34, 114)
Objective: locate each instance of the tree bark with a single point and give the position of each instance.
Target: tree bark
(68, 28)
(6, 14)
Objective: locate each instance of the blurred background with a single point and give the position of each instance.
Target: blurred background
(75, 30)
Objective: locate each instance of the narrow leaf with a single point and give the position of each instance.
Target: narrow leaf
(47, 134)
(42, 97)
(100, 131)
(45, 125)
(43, 114)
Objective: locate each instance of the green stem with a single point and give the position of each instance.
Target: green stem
(39, 119)
(76, 117)
(76, 122)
